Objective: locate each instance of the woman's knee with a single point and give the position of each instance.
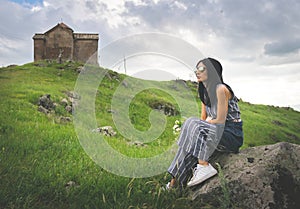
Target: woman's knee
(191, 120)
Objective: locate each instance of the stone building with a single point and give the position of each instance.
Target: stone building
(61, 43)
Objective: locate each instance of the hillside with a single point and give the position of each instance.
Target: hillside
(42, 164)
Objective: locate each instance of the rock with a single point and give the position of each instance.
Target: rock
(277, 123)
(125, 84)
(257, 177)
(105, 130)
(43, 110)
(73, 98)
(65, 119)
(69, 109)
(164, 107)
(46, 102)
(54, 105)
(73, 95)
(112, 75)
(137, 144)
(64, 102)
(111, 111)
(80, 69)
(71, 184)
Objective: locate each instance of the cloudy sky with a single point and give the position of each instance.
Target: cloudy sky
(256, 41)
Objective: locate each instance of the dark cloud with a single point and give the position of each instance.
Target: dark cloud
(283, 47)
(246, 28)
(193, 15)
(242, 24)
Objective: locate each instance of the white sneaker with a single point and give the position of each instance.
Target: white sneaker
(202, 173)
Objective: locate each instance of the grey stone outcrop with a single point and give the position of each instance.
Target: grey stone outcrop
(266, 177)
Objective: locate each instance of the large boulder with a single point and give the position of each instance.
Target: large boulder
(257, 177)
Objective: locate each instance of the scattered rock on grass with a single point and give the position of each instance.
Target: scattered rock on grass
(64, 119)
(64, 102)
(43, 110)
(46, 105)
(277, 123)
(105, 130)
(167, 108)
(137, 144)
(79, 69)
(71, 184)
(69, 109)
(46, 102)
(73, 95)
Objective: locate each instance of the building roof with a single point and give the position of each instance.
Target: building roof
(61, 25)
(88, 36)
(38, 36)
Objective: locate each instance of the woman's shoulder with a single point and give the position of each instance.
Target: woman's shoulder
(223, 88)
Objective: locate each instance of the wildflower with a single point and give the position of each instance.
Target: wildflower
(177, 127)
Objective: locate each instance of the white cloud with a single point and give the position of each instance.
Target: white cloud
(180, 5)
(156, 1)
(46, 4)
(36, 8)
(137, 2)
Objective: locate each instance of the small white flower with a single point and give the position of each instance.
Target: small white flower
(175, 127)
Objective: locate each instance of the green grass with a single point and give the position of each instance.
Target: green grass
(39, 155)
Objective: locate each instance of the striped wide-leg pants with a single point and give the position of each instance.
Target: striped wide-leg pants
(198, 139)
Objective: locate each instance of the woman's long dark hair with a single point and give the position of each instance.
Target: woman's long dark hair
(214, 77)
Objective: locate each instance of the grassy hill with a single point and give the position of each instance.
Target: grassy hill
(42, 164)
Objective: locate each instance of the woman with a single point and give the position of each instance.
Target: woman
(220, 127)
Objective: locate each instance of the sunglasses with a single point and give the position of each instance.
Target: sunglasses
(200, 69)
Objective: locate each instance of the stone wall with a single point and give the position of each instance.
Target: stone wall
(39, 49)
(85, 46)
(59, 40)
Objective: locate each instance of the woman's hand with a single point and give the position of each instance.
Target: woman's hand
(208, 119)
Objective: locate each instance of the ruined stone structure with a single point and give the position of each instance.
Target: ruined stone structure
(61, 43)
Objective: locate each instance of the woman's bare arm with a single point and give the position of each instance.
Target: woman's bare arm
(203, 111)
(223, 96)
